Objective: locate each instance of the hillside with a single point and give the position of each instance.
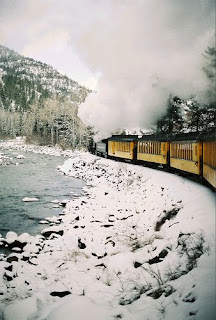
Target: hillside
(24, 81)
(38, 102)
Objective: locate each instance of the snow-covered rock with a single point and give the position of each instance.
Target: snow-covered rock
(20, 156)
(138, 244)
(48, 231)
(27, 199)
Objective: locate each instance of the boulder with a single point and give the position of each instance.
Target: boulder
(12, 257)
(48, 231)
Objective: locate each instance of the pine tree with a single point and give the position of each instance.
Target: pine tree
(210, 72)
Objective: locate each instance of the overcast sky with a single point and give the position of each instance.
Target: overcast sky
(45, 29)
(143, 49)
(48, 30)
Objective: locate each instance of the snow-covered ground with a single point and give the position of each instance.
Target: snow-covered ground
(138, 244)
(19, 144)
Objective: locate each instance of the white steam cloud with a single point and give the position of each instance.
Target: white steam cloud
(144, 50)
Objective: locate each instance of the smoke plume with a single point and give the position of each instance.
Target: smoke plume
(144, 51)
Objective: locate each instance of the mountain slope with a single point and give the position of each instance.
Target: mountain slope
(24, 81)
(38, 102)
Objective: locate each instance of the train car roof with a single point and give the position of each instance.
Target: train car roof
(124, 138)
(208, 134)
(155, 137)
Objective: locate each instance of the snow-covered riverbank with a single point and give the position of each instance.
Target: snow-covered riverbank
(20, 145)
(139, 244)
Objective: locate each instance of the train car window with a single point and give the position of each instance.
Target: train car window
(150, 147)
(182, 151)
(123, 146)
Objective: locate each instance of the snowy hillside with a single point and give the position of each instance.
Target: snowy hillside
(24, 81)
(139, 244)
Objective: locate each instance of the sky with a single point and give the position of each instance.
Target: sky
(133, 53)
(43, 30)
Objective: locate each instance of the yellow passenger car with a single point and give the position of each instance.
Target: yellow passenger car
(123, 147)
(209, 159)
(186, 155)
(153, 150)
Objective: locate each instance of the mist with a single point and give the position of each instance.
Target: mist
(145, 51)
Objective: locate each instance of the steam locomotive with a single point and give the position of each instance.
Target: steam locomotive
(191, 153)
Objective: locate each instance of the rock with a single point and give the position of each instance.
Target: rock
(55, 201)
(107, 225)
(26, 256)
(24, 238)
(190, 297)
(163, 254)
(9, 267)
(26, 199)
(43, 222)
(154, 260)
(16, 249)
(110, 242)
(53, 219)
(2, 257)
(56, 230)
(33, 261)
(58, 222)
(12, 257)
(11, 237)
(63, 202)
(31, 248)
(62, 213)
(159, 258)
(111, 218)
(60, 294)
(8, 275)
(137, 264)
(20, 156)
(17, 244)
(81, 245)
(99, 257)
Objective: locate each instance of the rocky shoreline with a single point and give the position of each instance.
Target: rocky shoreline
(111, 248)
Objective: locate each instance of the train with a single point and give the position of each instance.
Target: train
(191, 153)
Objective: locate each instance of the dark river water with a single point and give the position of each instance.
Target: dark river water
(34, 176)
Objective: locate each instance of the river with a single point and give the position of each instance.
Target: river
(34, 176)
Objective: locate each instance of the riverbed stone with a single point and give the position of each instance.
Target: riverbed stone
(27, 199)
(43, 222)
(63, 203)
(60, 294)
(16, 249)
(11, 237)
(8, 275)
(48, 231)
(13, 257)
(17, 244)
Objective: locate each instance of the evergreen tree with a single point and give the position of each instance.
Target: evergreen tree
(172, 121)
(210, 72)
